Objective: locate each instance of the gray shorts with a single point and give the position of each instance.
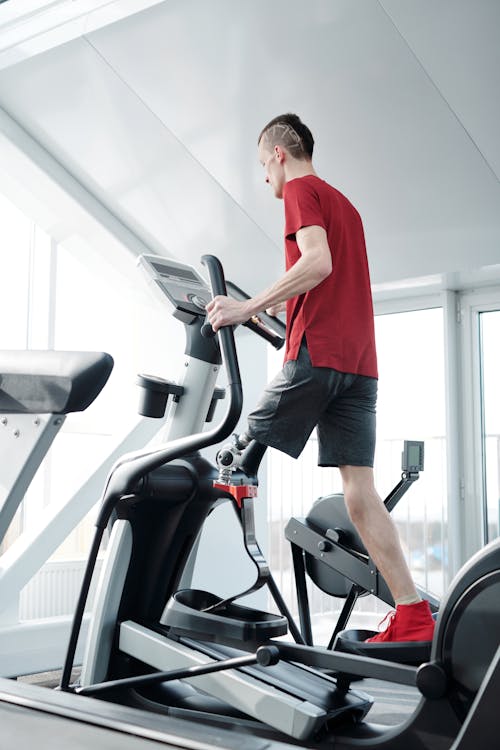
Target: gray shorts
(301, 397)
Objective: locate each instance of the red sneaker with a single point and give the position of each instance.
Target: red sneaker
(410, 622)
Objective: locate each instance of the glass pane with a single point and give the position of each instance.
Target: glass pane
(103, 304)
(25, 252)
(411, 405)
(15, 237)
(490, 366)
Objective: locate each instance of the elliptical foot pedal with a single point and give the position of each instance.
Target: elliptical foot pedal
(412, 653)
(185, 615)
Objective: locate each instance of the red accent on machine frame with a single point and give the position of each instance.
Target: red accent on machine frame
(238, 491)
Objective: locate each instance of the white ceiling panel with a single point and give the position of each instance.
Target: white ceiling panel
(33, 26)
(458, 44)
(93, 123)
(157, 115)
(385, 133)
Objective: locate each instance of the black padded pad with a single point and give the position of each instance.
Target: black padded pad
(51, 382)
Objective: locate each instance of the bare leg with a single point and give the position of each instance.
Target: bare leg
(377, 531)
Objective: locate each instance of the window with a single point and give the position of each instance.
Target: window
(16, 234)
(105, 304)
(411, 405)
(480, 316)
(73, 298)
(26, 253)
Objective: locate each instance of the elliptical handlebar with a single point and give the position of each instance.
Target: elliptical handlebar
(268, 327)
(226, 335)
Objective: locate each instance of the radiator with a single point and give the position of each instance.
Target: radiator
(54, 590)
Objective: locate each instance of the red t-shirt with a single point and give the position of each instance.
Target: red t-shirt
(336, 316)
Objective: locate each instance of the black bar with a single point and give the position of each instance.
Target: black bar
(280, 602)
(400, 489)
(226, 336)
(347, 663)
(257, 325)
(275, 323)
(80, 607)
(344, 616)
(302, 596)
(173, 674)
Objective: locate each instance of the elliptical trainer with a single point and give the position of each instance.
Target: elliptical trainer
(143, 628)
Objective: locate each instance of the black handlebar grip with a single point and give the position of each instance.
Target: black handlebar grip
(226, 335)
(218, 286)
(217, 280)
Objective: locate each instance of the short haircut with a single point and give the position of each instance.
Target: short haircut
(289, 132)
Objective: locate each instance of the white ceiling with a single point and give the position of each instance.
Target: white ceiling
(156, 113)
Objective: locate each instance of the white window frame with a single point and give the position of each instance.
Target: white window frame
(465, 461)
(472, 304)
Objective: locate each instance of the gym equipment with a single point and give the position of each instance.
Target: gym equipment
(327, 546)
(160, 499)
(37, 390)
(147, 620)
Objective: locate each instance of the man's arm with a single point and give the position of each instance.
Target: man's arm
(276, 309)
(313, 266)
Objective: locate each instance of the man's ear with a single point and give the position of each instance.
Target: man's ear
(279, 154)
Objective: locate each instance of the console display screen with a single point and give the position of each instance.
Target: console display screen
(182, 286)
(180, 273)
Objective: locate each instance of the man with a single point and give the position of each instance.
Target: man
(329, 378)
